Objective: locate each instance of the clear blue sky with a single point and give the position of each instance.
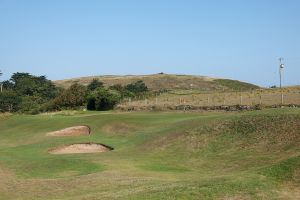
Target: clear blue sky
(238, 39)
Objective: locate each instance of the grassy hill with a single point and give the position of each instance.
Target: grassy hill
(246, 155)
(166, 81)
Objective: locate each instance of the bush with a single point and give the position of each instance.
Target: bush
(94, 84)
(9, 101)
(122, 90)
(103, 99)
(29, 103)
(259, 107)
(137, 87)
(73, 97)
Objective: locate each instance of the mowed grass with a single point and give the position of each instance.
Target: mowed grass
(157, 155)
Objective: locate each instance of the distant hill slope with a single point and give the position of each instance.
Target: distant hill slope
(165, 81)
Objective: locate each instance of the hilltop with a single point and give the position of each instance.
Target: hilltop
(165, 81)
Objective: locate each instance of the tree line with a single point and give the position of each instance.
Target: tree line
(26, 93)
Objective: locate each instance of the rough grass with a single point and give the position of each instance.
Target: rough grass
(252, 155)
(262, 97)
(236, 85)
(165, 81)
(283, 171)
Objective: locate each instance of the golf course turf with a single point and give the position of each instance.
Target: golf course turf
(156, 155)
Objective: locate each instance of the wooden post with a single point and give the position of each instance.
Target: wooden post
(241, 99)
(260, 99)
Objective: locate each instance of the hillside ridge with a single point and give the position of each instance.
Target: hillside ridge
(165, 81)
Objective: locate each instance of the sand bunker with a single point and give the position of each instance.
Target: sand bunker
(81, 148)
(71, 131)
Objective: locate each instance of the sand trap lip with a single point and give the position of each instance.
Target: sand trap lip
(81, 148)
(71, 131)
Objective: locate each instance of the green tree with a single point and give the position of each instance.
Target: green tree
(31, 91)
(26, 84)
(7, 85)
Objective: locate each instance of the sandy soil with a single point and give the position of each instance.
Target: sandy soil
(80, 148)
(71, 131)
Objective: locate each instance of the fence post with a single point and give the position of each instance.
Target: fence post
(241, 99)
(260, 99)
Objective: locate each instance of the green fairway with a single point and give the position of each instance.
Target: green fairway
(157, 155)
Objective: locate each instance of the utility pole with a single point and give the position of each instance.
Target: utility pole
(1, 86)
(281, 66)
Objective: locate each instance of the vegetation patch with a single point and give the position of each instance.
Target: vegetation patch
(284, 170)
(120, 128)
(158, 167)
(271, 128)
(236, 85)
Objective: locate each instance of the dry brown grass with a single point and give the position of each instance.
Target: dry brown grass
(267, 97)
(158, 81)
(5, 115)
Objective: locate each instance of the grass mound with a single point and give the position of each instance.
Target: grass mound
(279, 125)
(165, 81)
(236, 85)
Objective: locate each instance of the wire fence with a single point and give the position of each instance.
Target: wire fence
(268, 98)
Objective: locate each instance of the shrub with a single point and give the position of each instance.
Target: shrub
(29, 103)
(94, 84)
(73, 97)
(9, 101)
(122, 90)
(137, 87)
(103, 99)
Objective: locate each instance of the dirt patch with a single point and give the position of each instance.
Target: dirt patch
(71, 131)
(81, 148)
